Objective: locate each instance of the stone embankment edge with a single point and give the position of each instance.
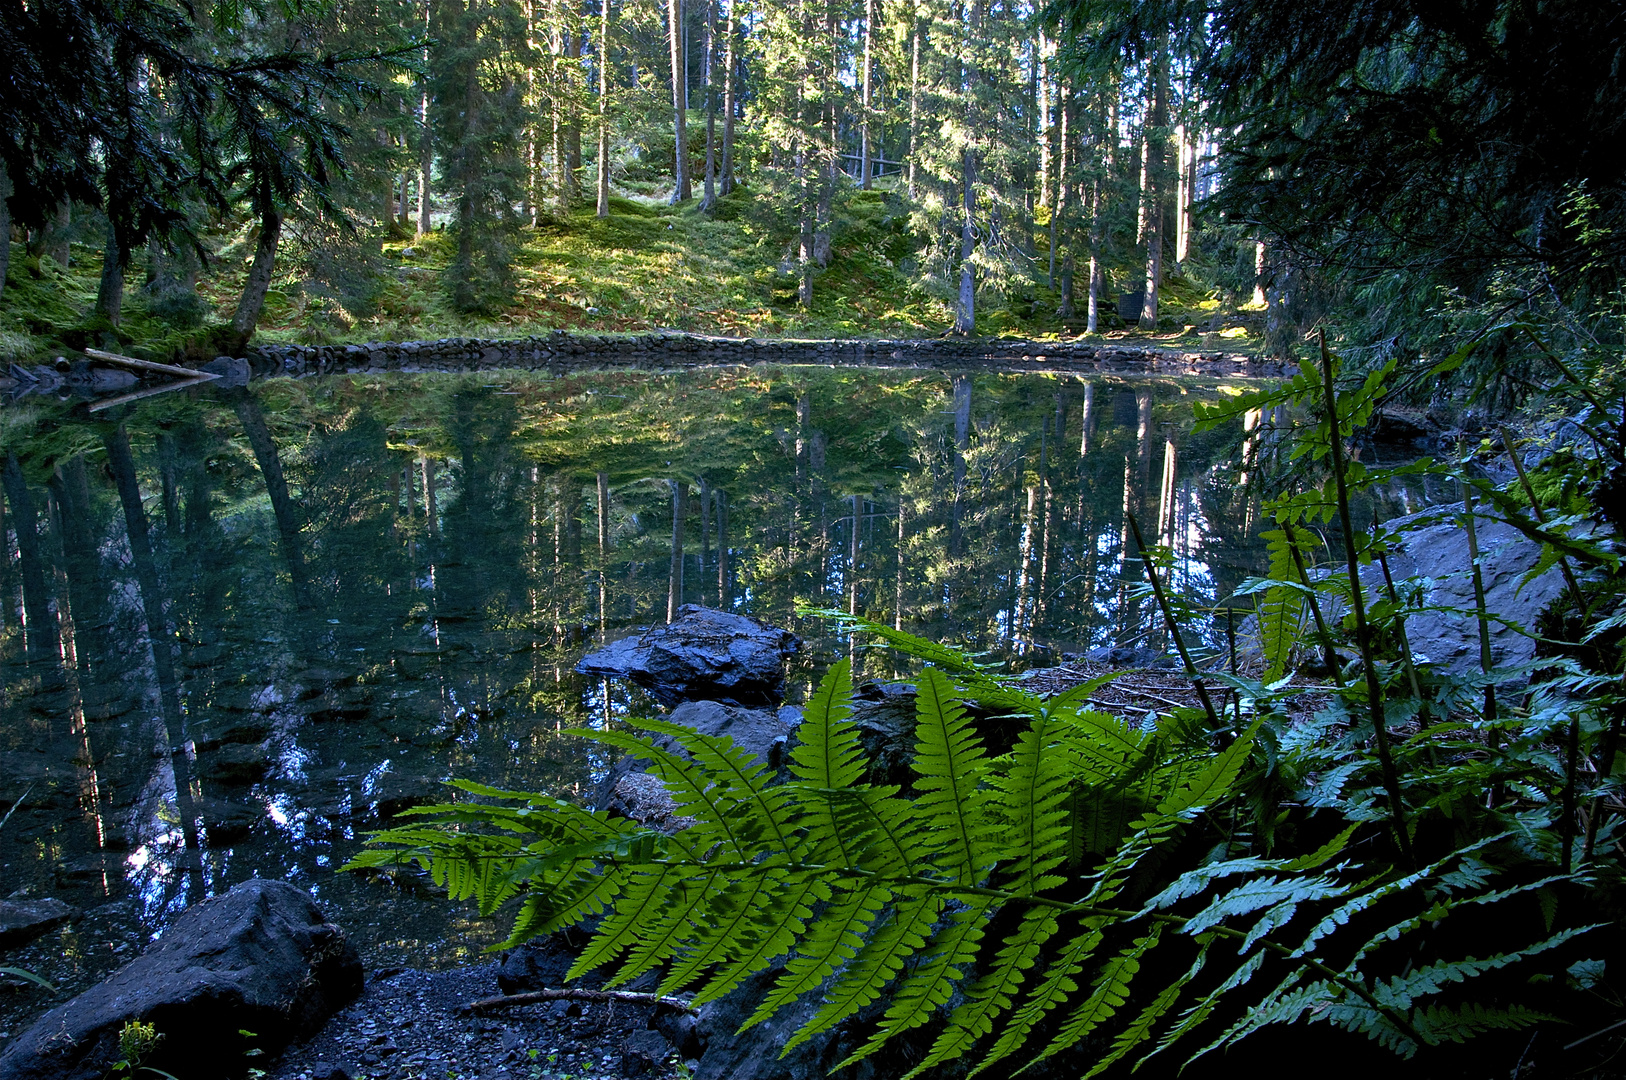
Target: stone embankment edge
(560, 353)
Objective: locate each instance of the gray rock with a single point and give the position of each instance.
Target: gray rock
(1438, 549)
(705, 655)
(260, 958)
(885, 715)
(233, 371)
(21, 921)
(644, 1052)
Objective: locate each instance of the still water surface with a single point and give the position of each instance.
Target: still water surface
(313, 601)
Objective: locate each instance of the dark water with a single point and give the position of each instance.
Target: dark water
(313, 602)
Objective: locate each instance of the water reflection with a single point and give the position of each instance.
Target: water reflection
(239, 628)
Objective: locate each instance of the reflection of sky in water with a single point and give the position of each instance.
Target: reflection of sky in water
(427, 653)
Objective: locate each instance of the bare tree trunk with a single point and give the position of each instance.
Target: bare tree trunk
(897, 605)
(680, 172)
(36, 601)
(1156, 126)
(58, 248)
(426, 158)
(710, 195)
(1182, 202)
(804, 253)
(914, 96)
(1258, 273)
(1059, 209)
(258, 282)
(431, 505)
(728, 100)
(556, 94)
(603, 113)
(1044, 133)
(864, 169)
(965, 312)
(573, 126)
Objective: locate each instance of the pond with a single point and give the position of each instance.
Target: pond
(315, 600)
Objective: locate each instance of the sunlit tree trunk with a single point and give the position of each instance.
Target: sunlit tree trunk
(867, 97)
(965, 311)
(258, 282)
(710, 195)
(603, 110)
(1258, 298)
(730, 32)
(914, 98)
(426, 155)
(1156, 128)
(680, 173)
(1059, 210)
(897, 605)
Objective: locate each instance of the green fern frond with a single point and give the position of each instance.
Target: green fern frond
(949, 765)
(1055, 986)
(1107, 995)
(1140, 1028)
(831, 941)
(1030, 795)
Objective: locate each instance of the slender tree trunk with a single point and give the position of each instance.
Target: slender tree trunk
(603, 110)
(258, 282)
(914, 97)
(965, 313)
(426, 159)
(705, 534)
(431, 504)
(864, 169)
(897, 604)
(1042, 106)
(680, 172)
(804, 254)
(1156, 127)
(710, 195)
(1258, 273)
(557, 94)
(1182, 207)
(58, 248)
(1059, 208)
(728, 99)
(5, 227)
(573, 125)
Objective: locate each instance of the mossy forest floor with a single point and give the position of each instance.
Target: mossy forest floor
(646, 266)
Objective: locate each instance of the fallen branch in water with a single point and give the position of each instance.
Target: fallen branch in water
(532, 997)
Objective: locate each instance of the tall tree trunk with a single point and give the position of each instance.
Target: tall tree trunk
(914, 97)
(431, 503)
(1182, 202)
(897, 604)
(258, 282)
(680, 172)
(962, 444)
(1042, 107)
(110, 290)
(58, 247)
(1156, 130)
(705, 534)
(556, 95)
(965, 312)
(864, 169)
(1258, 298)
(573, 126)
(728, 99)
(5, 226)
(426, 159)
(710, 195)
(1059, 208)
(603, 110)
(804, 252)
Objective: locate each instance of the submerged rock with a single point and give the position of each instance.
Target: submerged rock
(260, 958)
(21, 921)
(705, 655)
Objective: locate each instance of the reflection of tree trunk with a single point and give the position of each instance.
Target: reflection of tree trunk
(725, 599)
(36, 601)
(897, 608)
(1165, 495)
(1022, 617)
(674, 583)
(1128, 564)
(159, 635)
(250, 415)
(962, 443)
(705, 534)
(603, 547)
(852, 557)
(1087, 421)
(1143, 435)
(431, 508)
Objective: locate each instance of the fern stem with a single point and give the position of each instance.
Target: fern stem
(532, 997)
(1329, 655)
(1174, 629)
(1482, 613)
(1357, 601)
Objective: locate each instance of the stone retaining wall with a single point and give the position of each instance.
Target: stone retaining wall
(561, 352)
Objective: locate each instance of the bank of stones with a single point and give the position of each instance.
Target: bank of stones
(560, 352)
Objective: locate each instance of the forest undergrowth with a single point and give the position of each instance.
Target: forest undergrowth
(645, 266)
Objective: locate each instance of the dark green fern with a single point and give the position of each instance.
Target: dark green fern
(856, 895)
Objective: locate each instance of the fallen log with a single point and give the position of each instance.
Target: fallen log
(148, 365)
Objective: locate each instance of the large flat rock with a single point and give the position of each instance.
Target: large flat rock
(260, 958)
(704, 655)
(21, 921)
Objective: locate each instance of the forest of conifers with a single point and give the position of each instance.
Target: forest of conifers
(1407, 171)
